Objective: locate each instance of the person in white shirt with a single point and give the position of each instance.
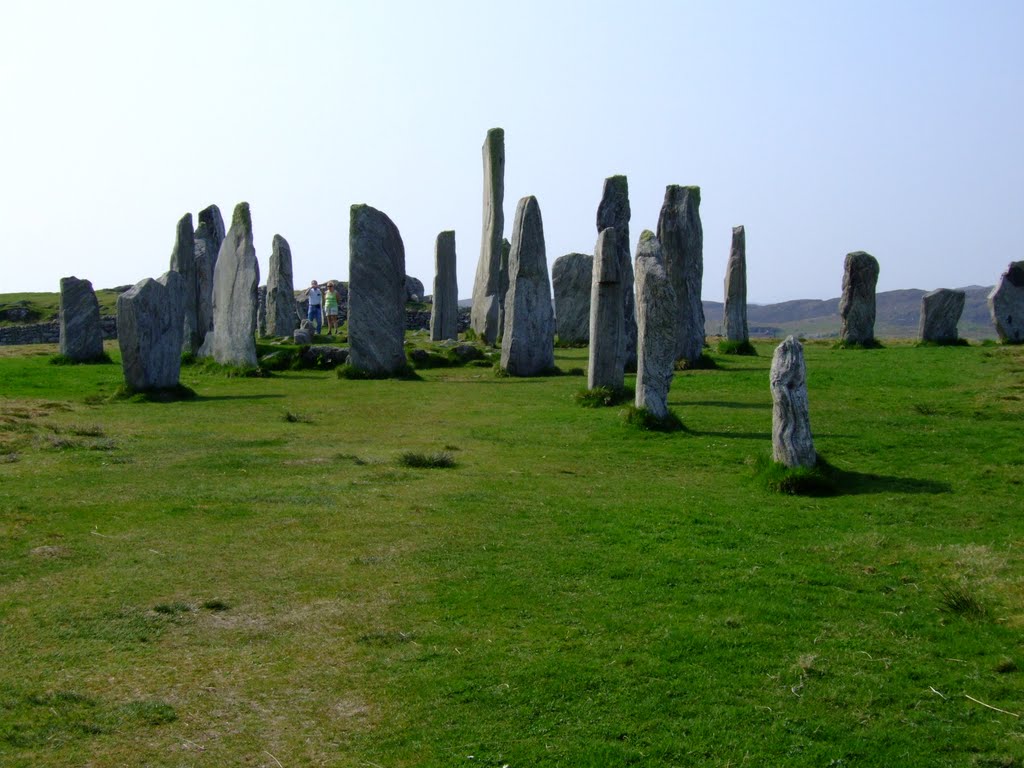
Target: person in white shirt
(315, 297)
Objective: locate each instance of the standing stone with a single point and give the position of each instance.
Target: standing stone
(376, 293)
(150, 325)
(571, 278)
(792, 443)
(81, 337)
(528, 346)
(736, 289)
(183, 261)
(682, 242)
(613, 211)
(940, 313)
(208, 238)
(281, 316)
(484, 317)
(1006, 303)
(857, 304)
(656, 327)
(236, 280)
(444, 312)
(506, 249)
(607, 315)
(261, 311)
(414, 289)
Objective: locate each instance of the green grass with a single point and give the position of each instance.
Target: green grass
(43, 307)
(222, 585)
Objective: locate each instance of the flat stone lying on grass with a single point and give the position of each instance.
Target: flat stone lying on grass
(488, 294)
(614, 211)
(682, 242)
(656, 327)
(444, 310)
(282, 318)
(736, 289)
(606, 364)
(1006, 304)
(857, 304)
(792, 443)
(149, 332)
(940, 313)
(571, 278)
(304, 333)
(81, 336)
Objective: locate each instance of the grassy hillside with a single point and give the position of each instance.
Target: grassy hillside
(255, 578)
(41, 307)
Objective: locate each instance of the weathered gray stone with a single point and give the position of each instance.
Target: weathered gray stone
(444, 312)
(792, 443)
(414, 290)
(81, 336)
(736, 289)
(183, 261)
(940, 313)
(571, 278)
(656, 327)
(236, 280)
(209, 236)
(682, 242)
(857, 304)
(528, 346)
(150, 325)
(607, 356)
(303, 335)
(487, 299)
(613, 211)
(376, 293)
(1006, 303)
(506, 250)
(261, 310)
(281, 316)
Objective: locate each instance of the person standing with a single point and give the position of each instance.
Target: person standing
(315, 297)
(331, 299)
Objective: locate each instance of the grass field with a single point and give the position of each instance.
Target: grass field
(257, 577)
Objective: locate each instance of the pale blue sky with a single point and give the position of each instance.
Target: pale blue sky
(824, 127)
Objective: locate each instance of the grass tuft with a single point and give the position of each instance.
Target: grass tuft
(603, 397)
(349, 372)
(419, 460)
(703, 363)
(216, 605)
(169, 395)
(958, 599)
(737, 348)
(294, 418)
(643, 419)
(873, 344)
(819, 480)
(958, 342)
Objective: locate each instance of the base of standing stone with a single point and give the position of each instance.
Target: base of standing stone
(736, 348)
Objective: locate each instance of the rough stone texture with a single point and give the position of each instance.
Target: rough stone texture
(792, 443)
(261, 310)
(376, 293)
(303, 335)
(1006, 303)
(656, 327)
(736, 289)
(682, 242)
(323, 356)
(236, 281)
(444, 312)
(487, 297)
(613, 211)
(940, 313)
(528, 346)
(506, 250)
(281, 316)
(150, 326)
(183, 261)
(209, 236)
(81, 336)
(607, 315)
(414, 290)
(571, 278)
(857, 304)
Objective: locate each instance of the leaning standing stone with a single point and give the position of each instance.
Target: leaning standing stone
(376, 293)
(183, 261)
(613, 211)
(208, 238)
(656, 327)
(857, 304)
(149, 331)
(528, 346)
(940, 313)
(444, 311)
(607, 322)
(487, 296)
(736, 289)
(236, 281)
(792, 443)
(282, 318)
(682, 241)
(81, 337)
(1006, 304)
(571, 278)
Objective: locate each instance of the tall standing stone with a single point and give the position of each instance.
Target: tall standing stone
(444, 312)
(282, 319)
(857, 304)
(613, 211)
(528, 346)
(792, 443)
(487, 298)
(209, 236)
(940, 313)
(1006, 304)
(571, 279)
(656, 327)
(376, 293)
(150, 325)
(183, 261)
(682, 242)
(736, 289)
(607, 356)
(236, 280)
(81, 336)
(506, 250)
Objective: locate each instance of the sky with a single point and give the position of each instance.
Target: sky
(892, 127)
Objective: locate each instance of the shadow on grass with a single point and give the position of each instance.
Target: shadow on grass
(210, 398)
(762, 436)
(850, 483)
(728, 404)
(826, 479)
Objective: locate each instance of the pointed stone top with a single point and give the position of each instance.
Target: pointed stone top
(241, 217)
(738, 230)
(676, 192)
(279, 242)
(647, 235)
